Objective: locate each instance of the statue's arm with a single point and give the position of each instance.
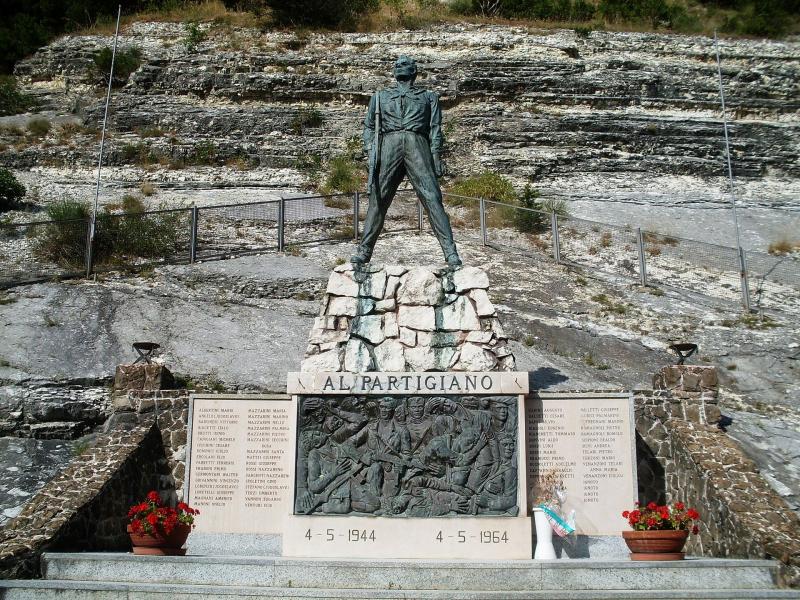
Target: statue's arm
(369, 124)
(435, 134)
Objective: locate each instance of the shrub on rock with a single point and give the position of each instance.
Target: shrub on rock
(11, 190)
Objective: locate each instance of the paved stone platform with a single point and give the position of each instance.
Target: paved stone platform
(107, 576)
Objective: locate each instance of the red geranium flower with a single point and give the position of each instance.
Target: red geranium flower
(654, 517)
(152, 517)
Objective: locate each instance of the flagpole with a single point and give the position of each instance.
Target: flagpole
(93, 223)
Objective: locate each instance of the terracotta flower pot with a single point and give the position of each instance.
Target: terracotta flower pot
(158, 544)
(656, 545)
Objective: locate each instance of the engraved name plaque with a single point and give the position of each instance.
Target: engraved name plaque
(590, 440)
(240, 465)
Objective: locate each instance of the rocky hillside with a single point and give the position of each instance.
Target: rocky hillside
(626, 126)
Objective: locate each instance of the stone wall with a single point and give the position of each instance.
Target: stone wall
(397, 318)
(683, 449)
(170, 411)
(85, 506)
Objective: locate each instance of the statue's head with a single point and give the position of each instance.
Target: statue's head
(405, 68)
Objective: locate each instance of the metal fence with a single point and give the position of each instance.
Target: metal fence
(49, 249)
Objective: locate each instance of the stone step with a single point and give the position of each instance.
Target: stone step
(423, 575)
(84, 590)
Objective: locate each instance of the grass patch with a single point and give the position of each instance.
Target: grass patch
(344, 175)
(39, 127)
(752, 321)
(591, 361)
(608, 304)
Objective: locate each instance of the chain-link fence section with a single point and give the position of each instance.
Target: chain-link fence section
(706, 268)
(520, 229)
(235, 229)
(599, 246)
(133, 240)
(42, 250)
(774, 281)
(317, 218)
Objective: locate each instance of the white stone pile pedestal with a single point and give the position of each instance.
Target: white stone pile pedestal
(398, 318)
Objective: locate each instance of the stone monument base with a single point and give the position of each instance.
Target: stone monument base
(501, 538)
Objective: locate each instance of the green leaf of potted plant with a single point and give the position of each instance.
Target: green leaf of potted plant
(659, 531)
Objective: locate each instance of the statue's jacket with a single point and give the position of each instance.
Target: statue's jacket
(415, 110)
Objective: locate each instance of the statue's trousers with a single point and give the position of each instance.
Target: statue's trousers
(406, 152)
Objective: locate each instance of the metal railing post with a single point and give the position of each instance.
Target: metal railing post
(743, 277)
(482, 210)
(554, 235)
(356, 203)
(642, 258)
(193, 235)
(419, 215)
(281, 215)
(90, 248)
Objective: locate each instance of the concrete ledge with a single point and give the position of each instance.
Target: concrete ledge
(77, 590)
(420, 575)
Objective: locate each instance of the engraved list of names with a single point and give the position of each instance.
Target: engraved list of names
(240, 464)
(590, 441)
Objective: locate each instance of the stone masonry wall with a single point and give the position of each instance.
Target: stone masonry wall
(396, 318)
(742, 516)
(85, 506)
(170, 411)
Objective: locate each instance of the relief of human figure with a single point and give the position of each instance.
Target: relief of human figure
(385, 446)
(438, 457)
(499, 492)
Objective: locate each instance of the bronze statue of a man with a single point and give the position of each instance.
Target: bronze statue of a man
(403, 135)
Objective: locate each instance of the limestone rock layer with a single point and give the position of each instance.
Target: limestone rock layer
(398, 318)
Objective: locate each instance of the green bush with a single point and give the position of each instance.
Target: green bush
(557, 10)
(117, 237)
(125, 63)
(531, 222)
(320, 13)
(194, 36)
(767, 19)
(306, 118)
(657, 13)
(12, 101)
(488, 185)
(344, 175)
(64, 241)
(11, 190)
(204, 153)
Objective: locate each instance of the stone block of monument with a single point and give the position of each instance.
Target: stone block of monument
(397, 318)
(143, 377)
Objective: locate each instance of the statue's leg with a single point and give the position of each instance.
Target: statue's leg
(391, 171)
(419, 164)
